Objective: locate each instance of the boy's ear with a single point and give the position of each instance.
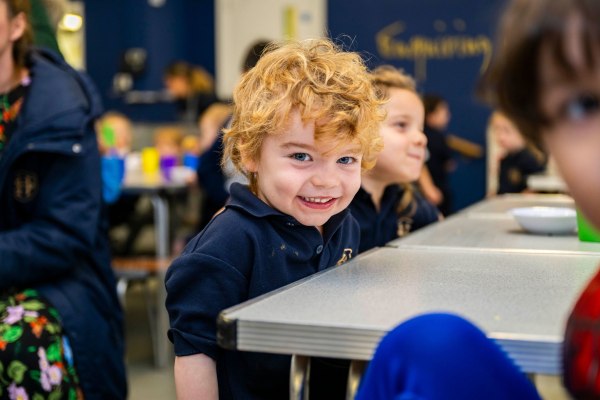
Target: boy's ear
(17, 26)
(249, 164)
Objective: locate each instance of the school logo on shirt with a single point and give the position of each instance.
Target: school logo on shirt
(26, 186)
(404, 225)
(345, 256)
(514, 176)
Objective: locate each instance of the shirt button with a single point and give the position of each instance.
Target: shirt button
(319, 249)
(290, 224)
(76, 148)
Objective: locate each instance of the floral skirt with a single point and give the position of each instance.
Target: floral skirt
(36, 361)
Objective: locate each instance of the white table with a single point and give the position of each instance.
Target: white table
(159, 191)
(517, 287)
(499, 232)
(503, 203)
(520, 300)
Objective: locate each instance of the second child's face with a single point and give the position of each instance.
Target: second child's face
(403, 154)
(573, 138)
(308, 180)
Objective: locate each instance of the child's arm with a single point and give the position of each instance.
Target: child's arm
(196, 377)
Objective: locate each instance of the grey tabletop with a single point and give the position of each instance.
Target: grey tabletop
(502, 204)
(520, 300)
(498, 232)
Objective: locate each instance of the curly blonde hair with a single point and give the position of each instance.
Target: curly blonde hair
(386, 77)
(319, 80)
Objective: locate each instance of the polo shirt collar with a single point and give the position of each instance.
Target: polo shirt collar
(391, 192)
(243, 199)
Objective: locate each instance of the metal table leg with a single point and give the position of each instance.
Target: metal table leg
(356, 370)
(299, 377)
(161, 325)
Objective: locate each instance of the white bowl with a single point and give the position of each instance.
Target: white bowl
(546, 220)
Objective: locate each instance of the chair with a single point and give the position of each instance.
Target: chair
(129, 270)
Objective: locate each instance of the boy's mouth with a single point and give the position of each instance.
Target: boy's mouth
(317, 202)
(317, 199)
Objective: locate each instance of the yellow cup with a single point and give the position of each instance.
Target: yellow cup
(150, 160)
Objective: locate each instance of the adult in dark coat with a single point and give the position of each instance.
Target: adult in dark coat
(56, 284)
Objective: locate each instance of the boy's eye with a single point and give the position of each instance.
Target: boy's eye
(347, 160)
(301, 157)
(582, 106)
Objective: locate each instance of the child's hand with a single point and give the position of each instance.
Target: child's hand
(434, 195)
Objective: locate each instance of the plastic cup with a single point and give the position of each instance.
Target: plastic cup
(191, 161)
(113, 172)
(150, 160)
(114, 167)
(167, 163)
(585, 230)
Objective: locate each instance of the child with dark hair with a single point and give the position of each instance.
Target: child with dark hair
(435, 183)
(192, 87)
(546, 78)
(518, 158)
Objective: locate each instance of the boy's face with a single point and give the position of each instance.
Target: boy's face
(574, 136)
(308, 180)
(401, 159)
(506, 134)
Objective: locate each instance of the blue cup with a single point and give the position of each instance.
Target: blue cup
(191, 161)
(113, 172)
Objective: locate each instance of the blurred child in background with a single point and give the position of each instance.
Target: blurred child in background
(546, 78)
(517, 158)
(114, 133)
(192, 87)
(167, 141)
(214, 177)
(434, 181)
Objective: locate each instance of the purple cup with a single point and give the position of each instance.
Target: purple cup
(166, 166)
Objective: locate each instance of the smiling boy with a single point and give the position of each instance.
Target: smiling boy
(305, 125)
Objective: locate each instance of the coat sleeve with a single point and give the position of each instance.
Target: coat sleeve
(56, 230)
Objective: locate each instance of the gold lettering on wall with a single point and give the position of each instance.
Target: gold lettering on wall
(420, 49)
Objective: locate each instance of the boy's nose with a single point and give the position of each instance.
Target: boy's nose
(324, 177)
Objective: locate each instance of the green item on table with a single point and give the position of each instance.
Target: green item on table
(108, 135)
(585, 230)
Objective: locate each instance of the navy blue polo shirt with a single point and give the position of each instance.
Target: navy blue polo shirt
(379, 227)
(247, 250)
(515, 168)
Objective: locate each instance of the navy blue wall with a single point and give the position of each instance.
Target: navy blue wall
(181, 29)
(444, 44)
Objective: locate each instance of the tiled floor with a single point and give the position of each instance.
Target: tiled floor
(145, 381)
